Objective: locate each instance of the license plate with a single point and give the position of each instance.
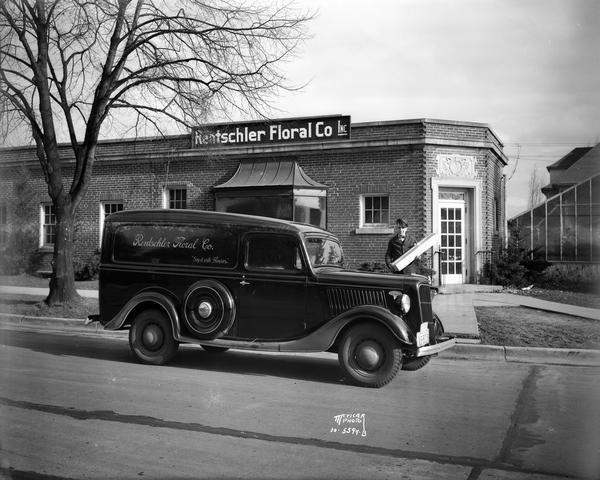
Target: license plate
(423, 335)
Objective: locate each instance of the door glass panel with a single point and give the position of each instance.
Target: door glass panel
(273, 252)
(451, 241)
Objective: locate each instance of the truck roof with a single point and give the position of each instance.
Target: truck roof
(163, 215)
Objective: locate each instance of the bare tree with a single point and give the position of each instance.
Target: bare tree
(536, 182)
(71, 65)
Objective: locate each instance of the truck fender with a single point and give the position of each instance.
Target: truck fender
(379, 314)
(150, 297)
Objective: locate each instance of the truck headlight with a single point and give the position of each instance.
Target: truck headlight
(404, 303)
(402, 300)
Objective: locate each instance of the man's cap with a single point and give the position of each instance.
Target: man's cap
(401, 223)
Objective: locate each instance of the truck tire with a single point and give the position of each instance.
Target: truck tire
(209, 309)
(369, 355)
(151, 337)
(414, 364)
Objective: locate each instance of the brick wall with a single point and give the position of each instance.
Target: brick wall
(135, 173)
(396, 171)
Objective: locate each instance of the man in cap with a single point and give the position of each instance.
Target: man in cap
(398, 245)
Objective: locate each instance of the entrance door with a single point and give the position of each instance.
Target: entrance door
(452, 241)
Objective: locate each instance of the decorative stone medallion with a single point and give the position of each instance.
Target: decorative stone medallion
(462, 166)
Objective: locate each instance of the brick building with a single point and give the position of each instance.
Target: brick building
(578, 165)
(353, 179)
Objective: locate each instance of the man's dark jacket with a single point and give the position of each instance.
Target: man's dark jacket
(398, 247)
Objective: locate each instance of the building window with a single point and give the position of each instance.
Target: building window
(176, 198)
(111, 207)
(106, 208)
(375, 210)
(3, 224)
(48, 231)
(496, 216)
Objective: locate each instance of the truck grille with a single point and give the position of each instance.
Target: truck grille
(425, 300)
(342, 299)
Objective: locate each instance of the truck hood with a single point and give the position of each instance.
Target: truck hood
(340, 277)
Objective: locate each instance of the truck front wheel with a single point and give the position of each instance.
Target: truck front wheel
(414, 364)
(151, 337)
(369, 355)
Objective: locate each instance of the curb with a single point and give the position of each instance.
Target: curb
(53, 324)
(461, 351)
(549, 356)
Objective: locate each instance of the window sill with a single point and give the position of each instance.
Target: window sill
(374, 231)
(46, 249)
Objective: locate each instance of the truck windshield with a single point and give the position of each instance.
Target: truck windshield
(324, 251)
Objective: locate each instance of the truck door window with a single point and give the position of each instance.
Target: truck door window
(273, 252)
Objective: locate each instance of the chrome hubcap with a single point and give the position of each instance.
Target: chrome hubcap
(152, 337)
(369, 355)
(205, 309)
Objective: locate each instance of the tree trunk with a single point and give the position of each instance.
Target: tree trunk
(62, 282)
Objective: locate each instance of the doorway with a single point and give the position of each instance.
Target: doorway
(453, 228)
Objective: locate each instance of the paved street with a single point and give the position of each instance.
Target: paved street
(79, 407)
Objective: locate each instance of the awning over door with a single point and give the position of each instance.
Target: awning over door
(269, 173)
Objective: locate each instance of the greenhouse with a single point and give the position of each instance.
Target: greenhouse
(565, 228)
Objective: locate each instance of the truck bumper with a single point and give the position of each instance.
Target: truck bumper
(436, 348)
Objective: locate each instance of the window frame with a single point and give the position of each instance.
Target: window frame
(4, 223)
(43, 225)
(363, 211)
(103, 215)
(271, 236)
(167, 189)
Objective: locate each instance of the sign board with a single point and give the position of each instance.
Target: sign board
(214, 246)
(312, 129)
(419, 249)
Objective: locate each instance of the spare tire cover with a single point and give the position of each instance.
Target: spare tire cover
(209, 309)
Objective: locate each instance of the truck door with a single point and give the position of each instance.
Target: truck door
(271, 297)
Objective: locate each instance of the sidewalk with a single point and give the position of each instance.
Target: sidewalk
(455, 306)
(42, 292)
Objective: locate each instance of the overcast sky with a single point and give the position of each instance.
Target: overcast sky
(530, 69)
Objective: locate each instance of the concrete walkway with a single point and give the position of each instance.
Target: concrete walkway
(455, 306)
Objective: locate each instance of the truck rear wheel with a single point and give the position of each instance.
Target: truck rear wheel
(369, 356)
(151, 337)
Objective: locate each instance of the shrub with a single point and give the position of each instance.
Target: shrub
(507, 270)
(87, 269)
(514, 266)
(18, 255)
(577, 278)
(373, 267)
